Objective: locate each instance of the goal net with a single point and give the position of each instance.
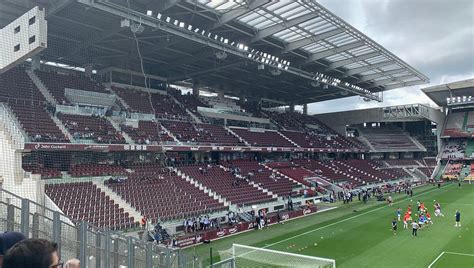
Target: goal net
(247, 256)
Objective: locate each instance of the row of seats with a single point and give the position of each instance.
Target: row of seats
(402, 162)
(83, 201)
(57, 83)
(28, 105)
(160, 104)
(259, 174)
(225, 184)
(98, 129)
(87, 170)
(262, 137)
(201, 133)
(147, 132)
(160, 194)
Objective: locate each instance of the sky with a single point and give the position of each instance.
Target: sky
(436, 37)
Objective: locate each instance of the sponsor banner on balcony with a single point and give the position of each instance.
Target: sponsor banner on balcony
(159, 148)
(239, 227)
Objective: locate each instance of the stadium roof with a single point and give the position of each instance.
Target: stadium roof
(308, 53)
(460, 89)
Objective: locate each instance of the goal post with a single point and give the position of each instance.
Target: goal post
(247, 256)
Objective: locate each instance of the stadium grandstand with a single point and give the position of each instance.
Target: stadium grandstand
(131, 130)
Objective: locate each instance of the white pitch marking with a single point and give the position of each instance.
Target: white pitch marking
(344, 220)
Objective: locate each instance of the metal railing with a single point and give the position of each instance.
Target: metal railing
(93, 246)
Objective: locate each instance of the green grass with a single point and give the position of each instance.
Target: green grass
(364, 238)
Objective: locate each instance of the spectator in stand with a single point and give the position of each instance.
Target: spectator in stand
(7, 240)
(35, 253)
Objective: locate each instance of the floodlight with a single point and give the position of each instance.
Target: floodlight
(168, 19)
(216, 37)
(176, 22)
(158, 16)
(226, 41)
(181, 24)
(149, 13)
(196, 30)
(246, 48)
(190, 27)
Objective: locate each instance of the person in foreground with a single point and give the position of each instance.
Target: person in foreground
(35, 253)
(7, 240)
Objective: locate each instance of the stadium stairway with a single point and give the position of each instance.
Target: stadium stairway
(300, 185)
(41, 87)
(366, 142)
(122, 101)
(10, 123)
(63, 129)
(288, 139)
(169, 133)
(416, 142)
(118, 200)
(201, 187)
(238, 137)
(193, 116)
(118, 129)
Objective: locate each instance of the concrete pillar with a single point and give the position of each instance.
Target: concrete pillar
(88, 70)
(195, 90)
(292, 107)
(220, 94)
(305, 109)
(35, 62)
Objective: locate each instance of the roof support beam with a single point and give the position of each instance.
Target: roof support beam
(390, 80)
(362, 57)
(313, 39)
(57, 6)
(203, 72)
(282, 26)
(368, 68)
(238, 12)
(369, 77)
(333, 51)
(405, 84)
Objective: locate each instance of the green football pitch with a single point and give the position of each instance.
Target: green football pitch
(360, 235)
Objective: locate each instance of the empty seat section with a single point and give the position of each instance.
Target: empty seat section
(147, 132)
(28, 105)
(160, 194)
(224, 183)
(262, 137)
(57, 83)
(160, 104)
(86, 170)
(263, 176)
(201, 133)
(94, 128)
(83, 201)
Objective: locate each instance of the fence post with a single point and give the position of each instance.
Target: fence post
(25, 217)
(82, 239)
(107, 252)
(131, 253)
(57, 229)
(10, 218)
(35, 227)
(99, 247)
(149, 255)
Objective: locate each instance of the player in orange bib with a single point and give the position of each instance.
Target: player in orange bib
(406, 218)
